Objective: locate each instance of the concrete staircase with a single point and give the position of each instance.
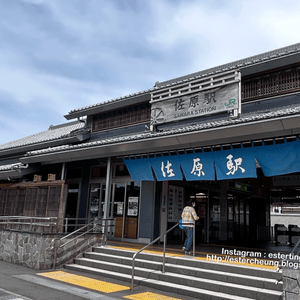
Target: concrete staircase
(184, 275)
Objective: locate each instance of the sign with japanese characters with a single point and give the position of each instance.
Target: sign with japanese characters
(166, 168)
(198, 166)
(274, 160)
(287, 180)
(228, 164)
(225, 98)
(235, 163)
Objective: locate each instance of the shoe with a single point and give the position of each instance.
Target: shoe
(183, 248)
(187, 252)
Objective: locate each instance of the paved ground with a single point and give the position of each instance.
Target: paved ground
(21, 283)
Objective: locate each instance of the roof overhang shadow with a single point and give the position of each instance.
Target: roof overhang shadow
(283, 126)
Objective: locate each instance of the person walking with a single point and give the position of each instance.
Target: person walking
(189, 217)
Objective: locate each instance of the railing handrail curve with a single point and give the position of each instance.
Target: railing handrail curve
(154, 241)
(94, 224)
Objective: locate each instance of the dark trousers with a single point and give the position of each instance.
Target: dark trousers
(189, 238)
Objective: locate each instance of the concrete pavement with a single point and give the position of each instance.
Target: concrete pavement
(22, 283)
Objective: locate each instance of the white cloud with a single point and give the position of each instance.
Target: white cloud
(62, 55)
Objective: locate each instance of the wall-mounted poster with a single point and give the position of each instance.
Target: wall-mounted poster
(133, 206)
(94, 205)
(175, 203)
(120, 208)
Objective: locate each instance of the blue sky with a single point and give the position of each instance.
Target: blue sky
(59, 55)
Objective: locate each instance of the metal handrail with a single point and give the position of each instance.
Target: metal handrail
(24, 218)
(41, 221)
(95, 225)
(164, 251)
(76, 224)
(32, 221)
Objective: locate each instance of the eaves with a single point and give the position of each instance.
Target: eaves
(16, 171)
(42, 145)
(209, 134)
(251, 65)
(109, 105)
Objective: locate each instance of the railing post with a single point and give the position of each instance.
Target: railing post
(136, 253)
(104, 237)
(55, 253)
(132, 274)
(66, 225)
(194, 239)
(95, 222)
(7, 222)
(31, 224)
(164, 253)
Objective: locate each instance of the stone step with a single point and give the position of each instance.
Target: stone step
(198, 263)
(212, 285)
(184, 289)
(194, 272)
(186, 275)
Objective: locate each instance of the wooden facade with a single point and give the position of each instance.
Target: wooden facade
(273, 83)
(127, 116)
(34, 199)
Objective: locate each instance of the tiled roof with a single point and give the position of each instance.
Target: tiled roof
(53, 133)
(14, 166)
(252, 60)
(112, 100)
(242, 63)
(223, 122)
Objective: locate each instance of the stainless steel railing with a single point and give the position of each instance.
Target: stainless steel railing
(164, 235)
(31, 223)
(95, 226)
(39, 224)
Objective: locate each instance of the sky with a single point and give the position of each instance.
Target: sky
(60, 55)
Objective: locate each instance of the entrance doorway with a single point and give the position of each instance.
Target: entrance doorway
(234, 210)
(125, 209)
(72, 205)
(72, 200)
(202, 201)
(208, 210)
(238, 217)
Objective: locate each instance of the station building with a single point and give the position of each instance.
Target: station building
(227, 137)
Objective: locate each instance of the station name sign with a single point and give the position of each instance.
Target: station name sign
(225, 98)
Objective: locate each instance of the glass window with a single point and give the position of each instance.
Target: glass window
(74, 173)
(95, 200)
(98, 172)
(121, 170)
